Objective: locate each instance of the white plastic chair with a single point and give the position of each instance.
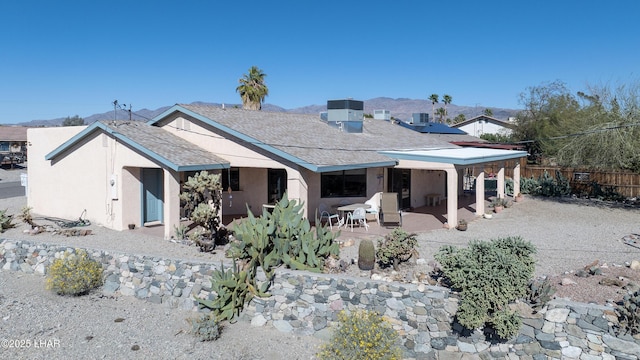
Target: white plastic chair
(325, 213)
(360, 216)
(374, 202)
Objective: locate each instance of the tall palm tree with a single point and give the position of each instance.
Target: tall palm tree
(441, 112)
(434, 100)
(446, 99)
(252, 89)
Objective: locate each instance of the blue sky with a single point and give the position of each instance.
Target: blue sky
(66, 57)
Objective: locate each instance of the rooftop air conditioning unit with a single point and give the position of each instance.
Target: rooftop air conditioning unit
(346, 115)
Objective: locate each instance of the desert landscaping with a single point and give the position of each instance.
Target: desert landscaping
(570, 236)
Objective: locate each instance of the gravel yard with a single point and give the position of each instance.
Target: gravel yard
(568, 236)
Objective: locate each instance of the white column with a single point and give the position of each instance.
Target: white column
(452, 198)
(516, 178)
(501, 181)
(480, 194)
(171, 202)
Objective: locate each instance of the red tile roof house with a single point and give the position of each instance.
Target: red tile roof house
(128, 172)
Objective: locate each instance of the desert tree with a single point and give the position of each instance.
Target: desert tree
(252, 89)
(434, 99)
(446, 99)
(73, 121)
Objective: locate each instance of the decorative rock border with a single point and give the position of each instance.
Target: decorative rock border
(308, 303)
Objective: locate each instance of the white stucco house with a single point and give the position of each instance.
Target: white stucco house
(129, 172)
(483, 124)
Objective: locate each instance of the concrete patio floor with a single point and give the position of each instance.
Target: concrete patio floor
(421, 219)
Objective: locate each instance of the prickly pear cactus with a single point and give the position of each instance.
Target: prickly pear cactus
(366, 255)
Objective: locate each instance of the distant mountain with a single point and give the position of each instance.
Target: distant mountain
(400, 108)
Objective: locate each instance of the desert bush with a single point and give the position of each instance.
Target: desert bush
(396, 247)
(528, 185)
(606, 193)
(489, 276)
(362, 335)
(206, 327)
(6, 221)
(75, 273)
(629, 315)
(539, 293)
(552, 187)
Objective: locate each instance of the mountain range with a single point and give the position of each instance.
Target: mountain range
(401, 108)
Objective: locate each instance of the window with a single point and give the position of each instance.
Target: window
(231, 177)
(347, 183)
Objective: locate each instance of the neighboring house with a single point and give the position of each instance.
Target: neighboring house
(127, 172)
(13, 144)
(485, 125)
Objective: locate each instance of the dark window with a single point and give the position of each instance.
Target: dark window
(277, 184)
(231, 177)
(347, 183)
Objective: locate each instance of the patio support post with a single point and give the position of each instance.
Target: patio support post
(452, 197)
(516, 178)
(171, 202)
(501, 181)
(480, 193)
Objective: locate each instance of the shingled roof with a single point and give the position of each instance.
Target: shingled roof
(306, 139)
(158, 144)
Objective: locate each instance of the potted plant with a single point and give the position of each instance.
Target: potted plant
(518, 197)
(498, 204)
(462, 225)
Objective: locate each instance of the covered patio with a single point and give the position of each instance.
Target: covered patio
(453, 162)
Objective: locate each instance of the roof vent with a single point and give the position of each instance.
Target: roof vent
(346, 115)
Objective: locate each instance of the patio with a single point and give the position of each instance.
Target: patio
(421, 219)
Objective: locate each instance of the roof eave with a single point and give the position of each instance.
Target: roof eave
(508, 155)
(323, 169)
(74, 140)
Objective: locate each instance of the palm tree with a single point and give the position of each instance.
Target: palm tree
(434, 100)
(446, 99)
(252, 89)
(441, 112)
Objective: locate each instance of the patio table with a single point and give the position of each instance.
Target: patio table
(350, 208)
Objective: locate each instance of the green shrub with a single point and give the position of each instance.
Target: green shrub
(362, 335)
(489, 276)
(528, 185)
(74, 274)
(366, 255)
(205, 327)
(396, 247)
(6, 221)
(552, 187)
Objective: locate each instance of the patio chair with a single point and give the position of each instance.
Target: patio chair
(325, 213)
(389, 212)
(374, 210)
(358, 215)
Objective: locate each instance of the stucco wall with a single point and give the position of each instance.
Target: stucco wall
(476, 128)
(79, 179)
